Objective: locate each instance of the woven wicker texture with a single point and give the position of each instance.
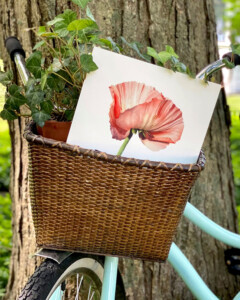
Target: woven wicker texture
(92, 202)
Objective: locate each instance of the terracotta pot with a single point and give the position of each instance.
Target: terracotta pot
(55, 130)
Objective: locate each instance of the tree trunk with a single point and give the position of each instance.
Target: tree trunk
(188, 26)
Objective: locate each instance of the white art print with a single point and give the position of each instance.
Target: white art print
(165, 113)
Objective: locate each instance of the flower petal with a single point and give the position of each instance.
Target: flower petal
(129, 94)
(159, 140)
(154, 146)
(118, 133)
(141, 107)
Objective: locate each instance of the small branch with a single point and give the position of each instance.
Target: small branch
(63, 78)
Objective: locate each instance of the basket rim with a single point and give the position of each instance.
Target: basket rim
(32, 137)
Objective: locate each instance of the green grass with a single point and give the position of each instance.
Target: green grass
(234, 103)
(3, 124)
(235, 150)
(5, 148)
(5, 239)
(5, 201)
(5, 161)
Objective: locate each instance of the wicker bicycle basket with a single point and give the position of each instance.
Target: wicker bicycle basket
(88, 201)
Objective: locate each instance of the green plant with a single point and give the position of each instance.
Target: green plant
(169, 59)
(5, 201)
(234, 102)
(238, 209)
(5, 239)
(232, 18)
(235, 151)
(58, 67)
(5, 149)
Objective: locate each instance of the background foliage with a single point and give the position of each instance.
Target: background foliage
(5, 201)
(234, 103)
(232, 19)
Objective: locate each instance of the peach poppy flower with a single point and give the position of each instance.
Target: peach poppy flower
(138, 106)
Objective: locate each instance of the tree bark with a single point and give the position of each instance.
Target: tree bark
(189, 27)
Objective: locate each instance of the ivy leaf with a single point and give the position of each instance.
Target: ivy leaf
(82, 24)
(38, 45)
(48, 94)
(54, 21)
(73, 94)
(170, 50)
(7, 114)
(47, 106)
(115, 46)
(73, 66)
(101, 42)
(177, 65)
(164, 56)
(89, 14)
(81, 3)
(43, 80)
(6, 77)
(152, 52)
(40, 117)
(55, 66)
(68, 16)
(87, 63)
(69, 113)
(61, 27)
(236, 49)
(228, 64)
(55, 83)
(13, 89)
(181, 67)
(35, 97)
(33, 64)
(136, 48)
(66, 101)
(16, 99)
(41, 30)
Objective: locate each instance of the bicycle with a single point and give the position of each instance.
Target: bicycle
(96, 279)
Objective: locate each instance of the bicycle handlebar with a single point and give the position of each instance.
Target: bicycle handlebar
(14, 46)
(236, 58)
(17, 55)
(218, 65)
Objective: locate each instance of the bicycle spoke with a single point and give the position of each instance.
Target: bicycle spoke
(78, 286)
(92, 295)
(89, 292)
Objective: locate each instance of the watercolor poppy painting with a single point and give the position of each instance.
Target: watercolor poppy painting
(139, 110)
(142, 109)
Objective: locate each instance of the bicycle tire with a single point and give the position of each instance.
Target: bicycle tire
(50, 275)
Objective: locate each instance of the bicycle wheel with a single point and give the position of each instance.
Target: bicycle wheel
(78, 277)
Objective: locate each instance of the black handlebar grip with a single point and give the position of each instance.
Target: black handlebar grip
(13, 45)
(236, 58)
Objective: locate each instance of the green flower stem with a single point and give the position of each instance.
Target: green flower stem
(124, 144)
